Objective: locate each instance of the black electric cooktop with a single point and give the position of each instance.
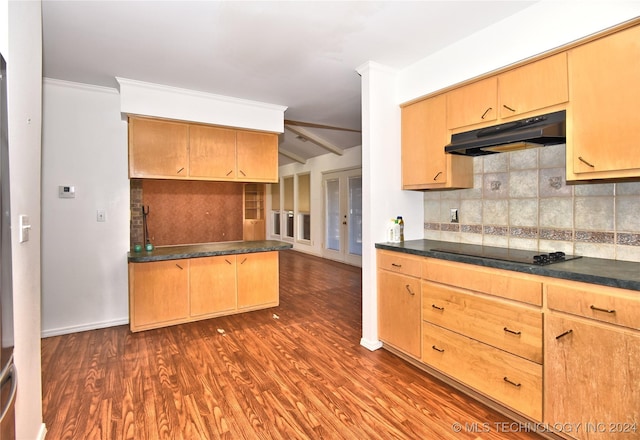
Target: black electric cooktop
(504, 254)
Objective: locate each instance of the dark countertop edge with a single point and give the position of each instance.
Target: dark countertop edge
(570, 270)
(206, 250)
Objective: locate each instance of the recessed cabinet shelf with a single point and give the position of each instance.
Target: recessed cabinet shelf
(254, 225)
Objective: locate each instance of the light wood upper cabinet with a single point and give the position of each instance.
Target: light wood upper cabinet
(257, 156)
(591, 376)
(258, 280)
(158, 149)
(472, 104)
(603, 113)
(173, 150)
(424, 162)
(212, 152)
(534, 86)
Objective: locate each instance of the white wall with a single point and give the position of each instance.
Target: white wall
(352, 158)
(21, 43)
(545, 25)
(84, 262)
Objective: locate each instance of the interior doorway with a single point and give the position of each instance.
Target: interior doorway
(343, 216)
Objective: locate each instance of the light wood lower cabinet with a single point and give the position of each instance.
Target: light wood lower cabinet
(399, 302)
(163, 293)
(158, 293)
(592, 376)
(509, 379)
(258, 281)
(212, 287)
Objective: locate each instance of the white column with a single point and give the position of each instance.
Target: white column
(383, 198)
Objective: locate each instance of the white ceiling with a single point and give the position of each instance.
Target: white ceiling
(300, 54)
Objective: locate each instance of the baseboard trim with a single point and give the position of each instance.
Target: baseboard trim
(370, 345)
(83, 328)
(42, 432)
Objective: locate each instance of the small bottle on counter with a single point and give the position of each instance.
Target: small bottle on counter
(401, 224)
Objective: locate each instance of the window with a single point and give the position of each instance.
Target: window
(288, 206)
(275, 208)
(304, 207)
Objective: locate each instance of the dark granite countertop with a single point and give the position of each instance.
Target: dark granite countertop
(206, 250)
(614, 273)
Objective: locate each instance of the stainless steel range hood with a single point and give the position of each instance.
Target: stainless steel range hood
(536, 131)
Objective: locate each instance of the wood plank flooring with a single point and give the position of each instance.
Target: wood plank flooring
(296, 371)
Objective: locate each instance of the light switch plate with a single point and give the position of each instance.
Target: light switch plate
(66, 192)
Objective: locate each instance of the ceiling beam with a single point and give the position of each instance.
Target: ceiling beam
(313, 125)
(292, 156)
(315, 139)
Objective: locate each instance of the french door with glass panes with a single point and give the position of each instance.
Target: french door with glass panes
(343, 216)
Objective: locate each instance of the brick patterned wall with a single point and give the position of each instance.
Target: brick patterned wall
(186, 212)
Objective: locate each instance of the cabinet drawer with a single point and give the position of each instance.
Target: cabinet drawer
(399, 263)
(510, 327)
(502, 283)
(509, 379)
(607, 304)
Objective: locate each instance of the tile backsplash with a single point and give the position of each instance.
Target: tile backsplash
(521, 200)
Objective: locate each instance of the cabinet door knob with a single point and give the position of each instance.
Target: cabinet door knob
(508, 108)
(437, 307)
(564, 334)
(485, 112)
(506, 379)
(396, 265)
(585, 162)
(513, 332)
(179, 267)
(437, 175)
(599, 309)
(441, 350)
(409, 290)
(230, 171)
(242, 172)
(180, 170)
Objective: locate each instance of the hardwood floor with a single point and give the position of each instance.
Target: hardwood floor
(296, 371)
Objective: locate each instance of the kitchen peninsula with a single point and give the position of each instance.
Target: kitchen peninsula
(177, 284)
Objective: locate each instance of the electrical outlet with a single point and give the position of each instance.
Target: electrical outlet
(454, 215)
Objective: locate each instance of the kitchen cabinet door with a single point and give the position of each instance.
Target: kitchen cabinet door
(158, 293)
(212, 285)
(399, 321)
(534, 86)
(258, 280)
(472, 104)
(603, 113)
(425, 165)
(212, 152)
(257, 156)
(158, 149)
(591, 376)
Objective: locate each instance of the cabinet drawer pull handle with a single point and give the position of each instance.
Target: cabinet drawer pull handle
(485, 113)
(243, 261)
(564, 334)
(508, 108)
(441, 350)
(179, 267)
(409, 290)
(437, 175)
(228, 262)
(513, 332)
(437, 307)
(396, 265)
(592, 307)
(506, 379)
(180, 170)
(242, 172)
(584, 161)
(230, 171)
